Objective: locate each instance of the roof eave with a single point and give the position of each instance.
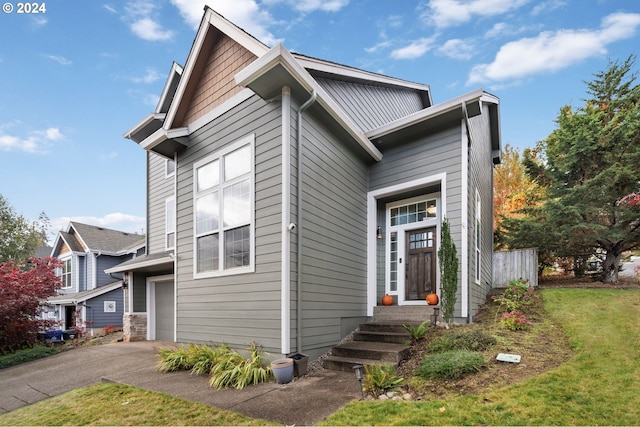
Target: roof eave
(167, 142)
(254, 74)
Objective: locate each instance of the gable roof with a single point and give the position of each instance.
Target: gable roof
(307, 77)
(89, 238)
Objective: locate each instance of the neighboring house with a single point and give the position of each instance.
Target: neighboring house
(90, 298)
(288, 194)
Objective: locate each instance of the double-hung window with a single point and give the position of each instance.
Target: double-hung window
(223, 211)
(65, 273)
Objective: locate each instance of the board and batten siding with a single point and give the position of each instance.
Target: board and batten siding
(334, 249)
(159, 188)
(236, 309)
(480, 179)
(439, 153)
(372, 106)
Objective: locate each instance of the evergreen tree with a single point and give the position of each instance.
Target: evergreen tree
(592, 167)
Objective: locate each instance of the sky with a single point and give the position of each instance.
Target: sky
(75, 75)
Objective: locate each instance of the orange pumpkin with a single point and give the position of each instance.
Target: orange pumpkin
(387, 300)
(432, 299)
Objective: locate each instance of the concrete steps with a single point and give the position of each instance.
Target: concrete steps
(381, 341)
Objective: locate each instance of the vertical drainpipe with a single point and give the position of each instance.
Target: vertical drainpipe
(467, 123)
(285, 266)
(299, 146)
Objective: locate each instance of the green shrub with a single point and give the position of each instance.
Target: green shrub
(465, 340)
(450, 365)
(26, 355)
(516, 296)
(515, 321)
(202, 358)
(173, 359)
(379, 379)
(233, 370)
(417, 332)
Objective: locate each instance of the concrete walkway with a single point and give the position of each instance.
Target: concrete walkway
(304, 401)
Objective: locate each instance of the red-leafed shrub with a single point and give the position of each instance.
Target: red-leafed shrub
(23, 288)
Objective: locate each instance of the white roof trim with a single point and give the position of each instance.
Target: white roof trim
(280, 55)
(211, 18)
(434, 111)
(143, 264)
(344, 70)
(175, 69)
(144, 122)
(59, 299)
(162, 135)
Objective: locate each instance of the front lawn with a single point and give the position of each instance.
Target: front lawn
(598, 385)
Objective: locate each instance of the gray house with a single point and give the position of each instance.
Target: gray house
(90, 298)
(288, 194)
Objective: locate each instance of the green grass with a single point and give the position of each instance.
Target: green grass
(600, 385)
(117, 404)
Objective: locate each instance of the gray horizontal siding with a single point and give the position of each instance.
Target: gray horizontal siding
(480, 177)
(235, 309)
(334, 237)
(159, 189)
(372, 106)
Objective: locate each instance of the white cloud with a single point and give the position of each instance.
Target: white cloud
(139, 14)
(548, 6)
(246, 14)
(116, 221)
(148, 29)
(59, 59)
(554, 50)
(448, 13)
(151, 75)
(39, 21)
(109, 8)
(415, 49)
(38, 141)
(457, 49)
(378, 46)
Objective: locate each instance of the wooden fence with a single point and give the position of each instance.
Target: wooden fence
(514, 265)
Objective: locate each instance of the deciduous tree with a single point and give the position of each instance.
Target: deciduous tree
(19, 237)
(22, 290)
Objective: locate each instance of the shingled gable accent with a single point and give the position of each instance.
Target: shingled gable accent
(219, 51)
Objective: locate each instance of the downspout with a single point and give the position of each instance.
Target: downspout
(465, 276)
(299, 146)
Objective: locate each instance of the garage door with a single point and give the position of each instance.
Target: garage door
(164, 298)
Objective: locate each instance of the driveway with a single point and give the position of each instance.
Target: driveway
(628, 268)
(305, 401)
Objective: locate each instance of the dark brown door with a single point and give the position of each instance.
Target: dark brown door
(420, 278)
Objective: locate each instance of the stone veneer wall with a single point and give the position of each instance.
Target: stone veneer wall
(134, 327)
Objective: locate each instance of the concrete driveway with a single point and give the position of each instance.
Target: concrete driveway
(305, 401)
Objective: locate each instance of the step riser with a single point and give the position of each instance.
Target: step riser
(385, 356)
(402, 313)
(396, 339)
(341, 365)
(386, 327)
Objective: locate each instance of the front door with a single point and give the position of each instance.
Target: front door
(420, 277)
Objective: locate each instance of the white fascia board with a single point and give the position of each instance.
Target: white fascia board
(144, 122)
(175, 69)
(426, 114)
(279, 55)
(162, 135)
(344, 70)
(150, 263)
(247, 41)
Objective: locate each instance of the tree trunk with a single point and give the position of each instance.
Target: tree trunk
(611, 265)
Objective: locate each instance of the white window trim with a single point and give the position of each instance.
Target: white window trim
(477, 239)
(70, 273)
(400, 229)
(169, 204)
(246, 140)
